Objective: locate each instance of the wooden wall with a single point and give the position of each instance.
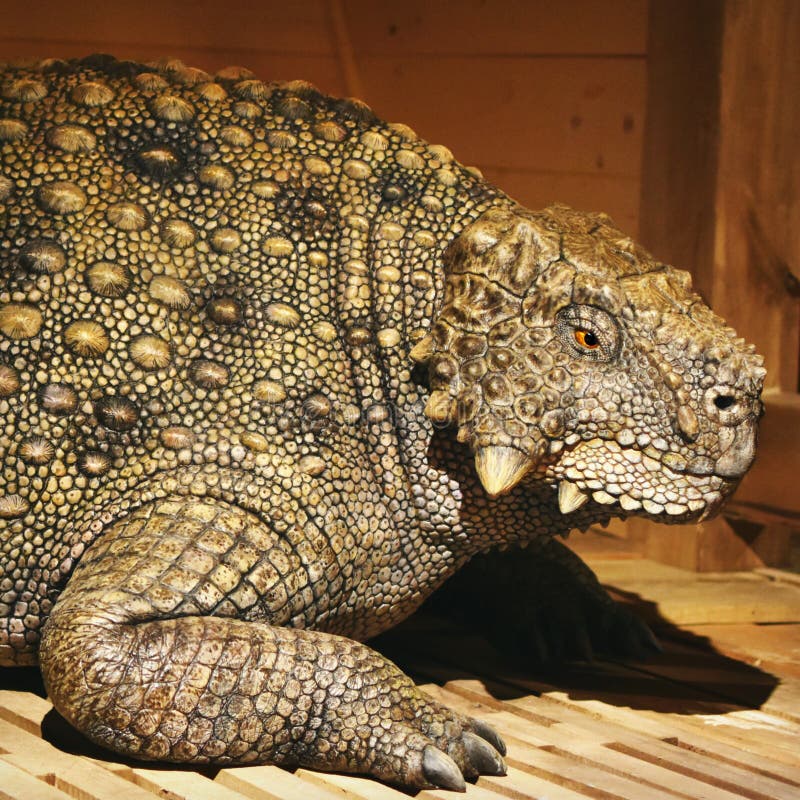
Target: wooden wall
(721, 195)
(547, 98)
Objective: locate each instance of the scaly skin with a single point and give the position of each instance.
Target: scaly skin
(251, 339)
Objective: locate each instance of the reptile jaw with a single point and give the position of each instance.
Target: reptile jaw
(623, 480)
(571, 498)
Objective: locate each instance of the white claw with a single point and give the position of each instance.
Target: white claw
(570, 497)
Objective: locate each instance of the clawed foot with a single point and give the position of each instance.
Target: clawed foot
(479, 758)
(580, 628)
(544, 606)
(443, 749)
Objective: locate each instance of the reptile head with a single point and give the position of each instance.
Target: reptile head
(565, 353)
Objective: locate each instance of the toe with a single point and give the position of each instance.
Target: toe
(483, 757)
(440, 770)
(486, 731)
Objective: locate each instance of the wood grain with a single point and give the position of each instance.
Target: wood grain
(758, 190)
(689, 724)
(513, 27)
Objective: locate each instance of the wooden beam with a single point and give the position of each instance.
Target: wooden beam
(679, 165)
(722, 544)
(757, 207)
(720, 177)
(720, 195)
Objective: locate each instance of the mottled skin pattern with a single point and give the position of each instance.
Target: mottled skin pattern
(271, 371)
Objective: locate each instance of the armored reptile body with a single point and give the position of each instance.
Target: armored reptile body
(271, 372)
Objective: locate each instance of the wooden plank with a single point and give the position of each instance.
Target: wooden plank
(645, 699)
(300, 27)
(23, 709)
(354, 786)
(75, 776)
(178, 784)
(727, 542)
(559, 115)
(770, 647)
(616, 572)
(681, 597)
(520, 784)
(592, 743)
(514, 27)
(718, 76)
(16, 784)
(785, 699)
(698, 735)
(273, 783)
(361, 788)
(680, 142)
(607, 720)
(482, 790)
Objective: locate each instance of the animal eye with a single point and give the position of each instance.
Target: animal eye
(587, 339)
(588, 333)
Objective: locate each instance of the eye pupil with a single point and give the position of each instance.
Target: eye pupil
(587, 339)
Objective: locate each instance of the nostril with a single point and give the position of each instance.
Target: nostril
(724, 401)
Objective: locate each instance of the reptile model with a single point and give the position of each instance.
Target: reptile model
(271, 372)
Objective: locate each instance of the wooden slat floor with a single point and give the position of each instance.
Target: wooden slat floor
(692, 723)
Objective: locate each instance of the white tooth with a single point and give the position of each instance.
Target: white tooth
(629, 504)
(500, 469)
(604, 498)
(570, 497)
(652, 507)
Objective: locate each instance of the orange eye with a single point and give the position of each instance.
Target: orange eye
(586, 339)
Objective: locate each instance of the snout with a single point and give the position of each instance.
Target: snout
(736, 411)
(730, 405)
(739, 455)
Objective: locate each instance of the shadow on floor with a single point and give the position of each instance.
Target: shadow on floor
(689, 677)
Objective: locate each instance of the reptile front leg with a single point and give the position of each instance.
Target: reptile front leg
(164, 646)
(544, 604)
